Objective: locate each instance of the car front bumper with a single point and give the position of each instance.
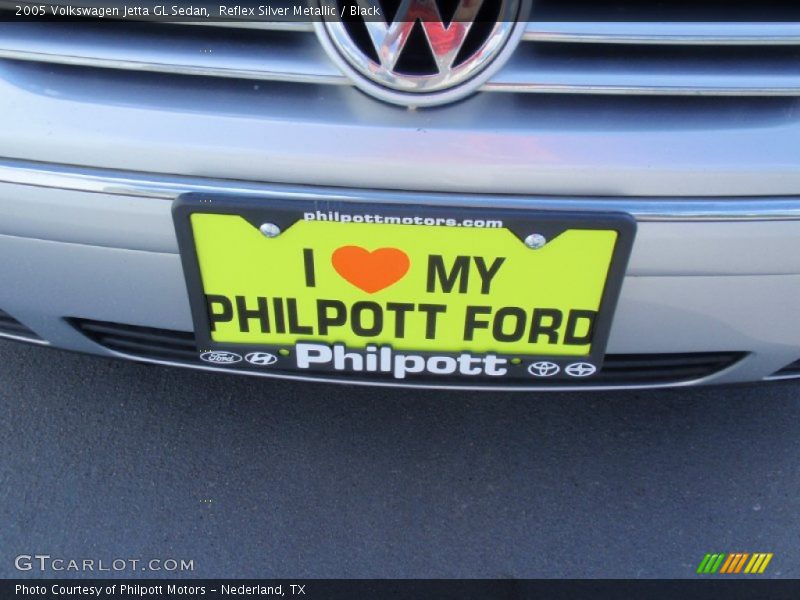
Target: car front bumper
(94, 158)
(706, 274)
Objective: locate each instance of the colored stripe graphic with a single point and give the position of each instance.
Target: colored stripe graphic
(759, 562)
(740, 564)
(734, 562)
(755, 562)
(728, 562)
(710, 563)
(703, 563)
(765, 563)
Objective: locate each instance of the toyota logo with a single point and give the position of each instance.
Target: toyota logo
(543, 368)
(456, 54)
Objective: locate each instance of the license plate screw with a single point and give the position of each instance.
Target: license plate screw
(535, 241)
(270, 230)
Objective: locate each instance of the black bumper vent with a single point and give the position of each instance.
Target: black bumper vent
(145, 342)
(10, 326)
(663, 368)
(790, 370)
(618, 369)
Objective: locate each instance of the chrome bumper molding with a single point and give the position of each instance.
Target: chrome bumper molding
(106, 353)
(20, 338)
(169, 187)
(707, 380)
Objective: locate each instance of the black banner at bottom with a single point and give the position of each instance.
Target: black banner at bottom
(412, 589)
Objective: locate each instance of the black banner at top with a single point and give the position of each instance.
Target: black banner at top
(298, 11)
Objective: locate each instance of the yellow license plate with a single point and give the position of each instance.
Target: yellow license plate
(401, 292)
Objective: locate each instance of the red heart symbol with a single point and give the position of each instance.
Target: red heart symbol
(370, 271)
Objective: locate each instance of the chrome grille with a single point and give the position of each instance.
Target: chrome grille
(268, 54)
(562, 51)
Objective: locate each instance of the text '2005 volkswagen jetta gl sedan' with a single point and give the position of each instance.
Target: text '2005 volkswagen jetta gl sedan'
(496, 194)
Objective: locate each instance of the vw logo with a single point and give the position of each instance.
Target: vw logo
(220, 357)
(543, 368)
(461, 45)
(580, 369)
(261, 359)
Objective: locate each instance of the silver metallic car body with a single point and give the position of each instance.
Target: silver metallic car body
(93, 156)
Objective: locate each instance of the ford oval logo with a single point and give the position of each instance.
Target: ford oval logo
(220, 357)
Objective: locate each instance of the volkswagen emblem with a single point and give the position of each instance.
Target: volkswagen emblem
(580, 369)
(543, 368)
(426, 52)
